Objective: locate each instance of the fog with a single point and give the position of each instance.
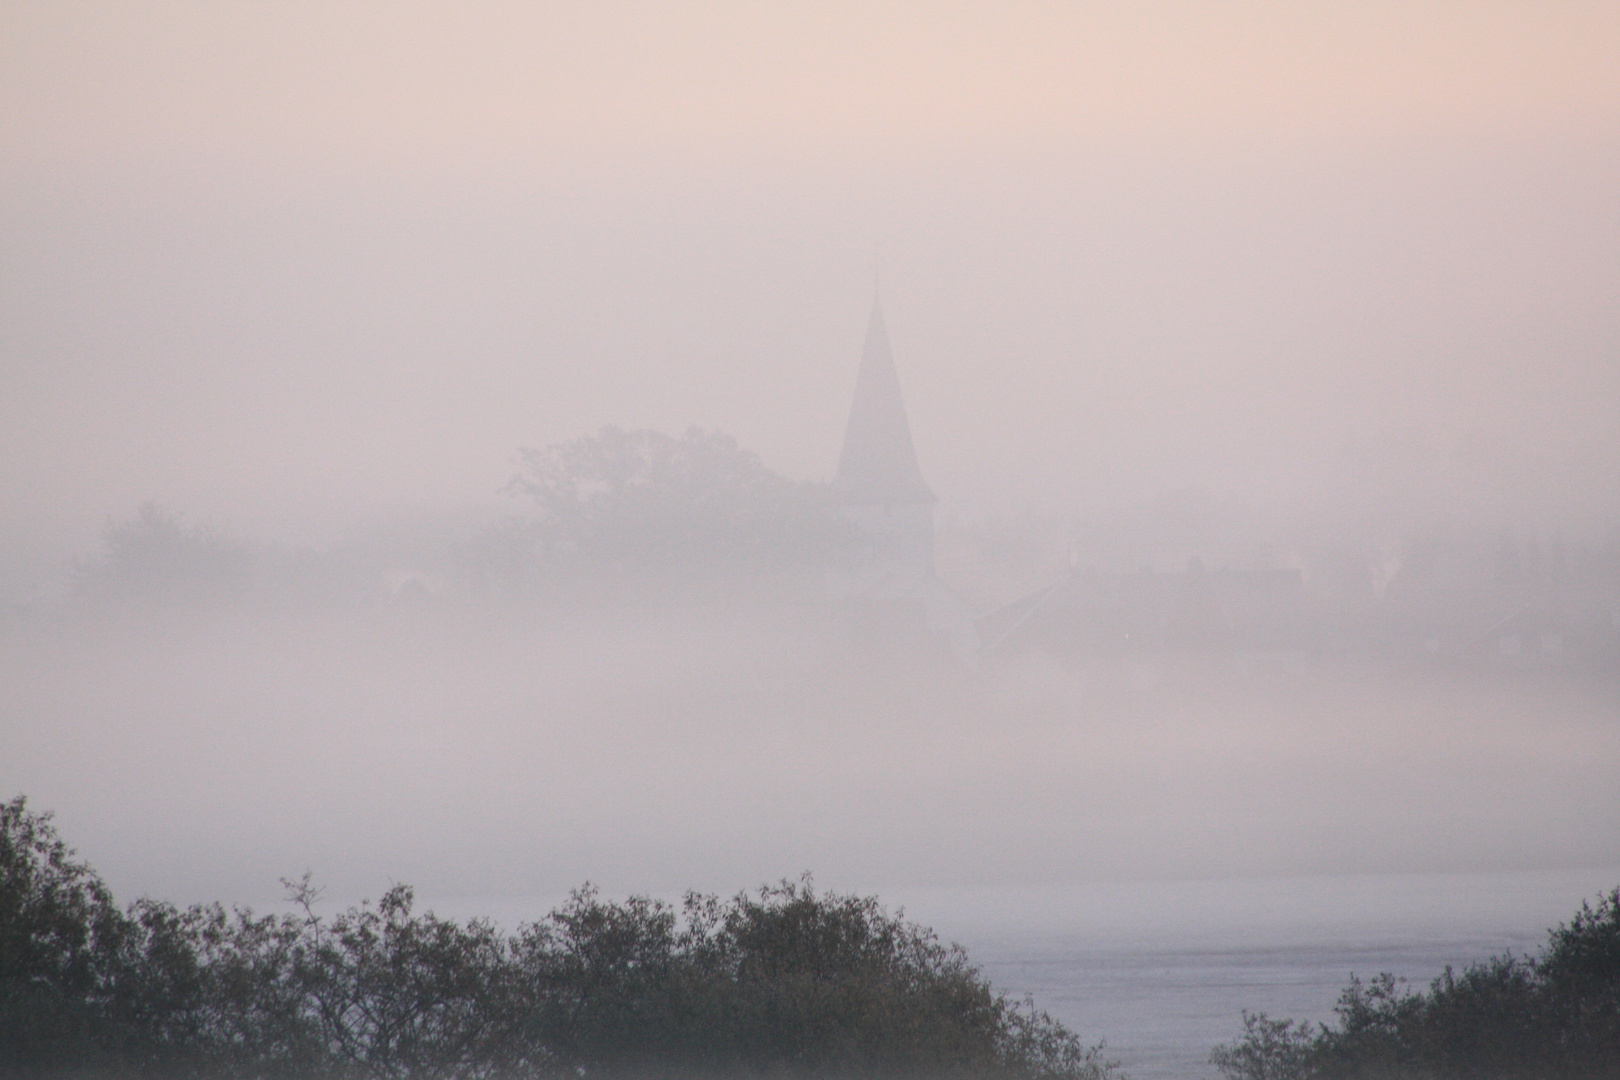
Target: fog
(1410, 335)
(480, 757)
(1322, 295)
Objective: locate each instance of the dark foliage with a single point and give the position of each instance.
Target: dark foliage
(1551, 1017)
(57, 926)
(784, 982)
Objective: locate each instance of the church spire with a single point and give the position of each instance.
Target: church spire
(878, 466)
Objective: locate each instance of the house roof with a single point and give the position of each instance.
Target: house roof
(878, 465)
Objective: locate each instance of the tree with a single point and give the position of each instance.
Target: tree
(1579, 979)
(785, 982)
(392, 994)
(58, 929)
(1268, 1049)
(648, 503)
(1552, 1017)
(156, 559)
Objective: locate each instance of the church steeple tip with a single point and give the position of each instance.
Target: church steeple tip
(878, 465)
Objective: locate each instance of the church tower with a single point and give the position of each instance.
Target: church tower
(879, 486)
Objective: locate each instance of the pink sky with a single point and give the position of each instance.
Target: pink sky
(279, 265)
(374, 88)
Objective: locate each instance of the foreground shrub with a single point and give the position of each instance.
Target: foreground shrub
(58, 926)
(785, 982)
(1552, 1017)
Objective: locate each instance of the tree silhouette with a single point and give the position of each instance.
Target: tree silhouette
(649, 503)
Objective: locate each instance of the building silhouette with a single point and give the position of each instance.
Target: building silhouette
(881, 492)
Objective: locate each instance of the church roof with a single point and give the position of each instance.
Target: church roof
(878, 465)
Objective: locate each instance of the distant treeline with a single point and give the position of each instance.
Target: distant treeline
(1555, 1016)
(785, 982)
(615, 511)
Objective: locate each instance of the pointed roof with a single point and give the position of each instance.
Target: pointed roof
(878, 465)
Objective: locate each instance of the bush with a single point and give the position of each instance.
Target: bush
(1553, 1017)
(58, 929)
(783, 982)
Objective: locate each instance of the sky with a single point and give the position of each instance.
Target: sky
(284, 267)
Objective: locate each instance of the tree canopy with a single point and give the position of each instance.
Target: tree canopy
(1555, 1016)
(643, 501)
(783, 982)
(154, 558)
